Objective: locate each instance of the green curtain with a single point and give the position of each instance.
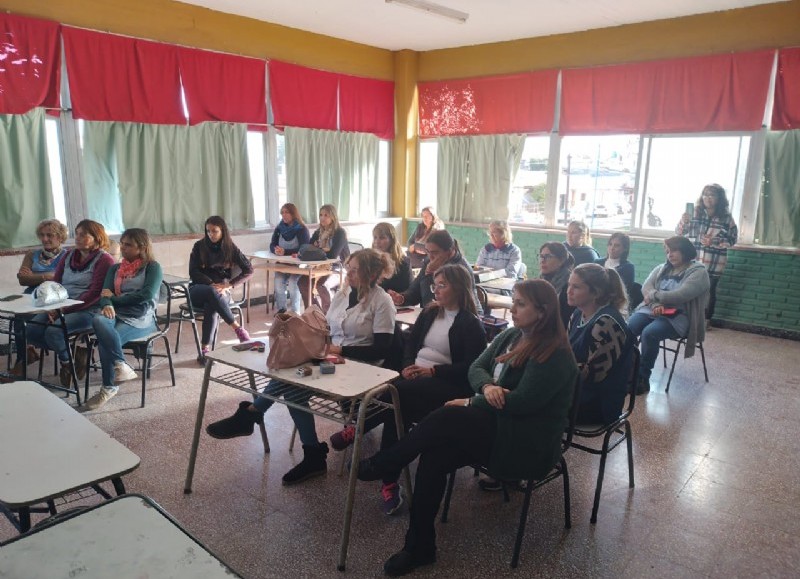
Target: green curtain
(332, 167)
(778, 220)
(166, 178)
(475, 175)
(26, 196)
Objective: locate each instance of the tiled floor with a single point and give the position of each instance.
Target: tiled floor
(717, 493)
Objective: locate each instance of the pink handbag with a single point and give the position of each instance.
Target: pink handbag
(297, 339)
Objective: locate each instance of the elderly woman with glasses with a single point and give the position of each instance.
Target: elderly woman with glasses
(555, 265)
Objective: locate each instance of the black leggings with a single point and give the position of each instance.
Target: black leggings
(712, 296)
(213, 305)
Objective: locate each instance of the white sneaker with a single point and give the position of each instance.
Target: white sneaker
(103, 396)
(123, 372)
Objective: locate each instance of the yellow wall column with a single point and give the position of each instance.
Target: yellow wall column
(406, 140)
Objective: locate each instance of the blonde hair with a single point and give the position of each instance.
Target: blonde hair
(373, 266)
(586, 237)
(330, 210)
(384, 229)
(502, 227)
(605, 285)
(56, 228)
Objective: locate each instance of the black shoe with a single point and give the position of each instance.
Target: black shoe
(281, 311)
(404, 562)
(242, 423)
(643, 387)
(314, 463)
(368, 470)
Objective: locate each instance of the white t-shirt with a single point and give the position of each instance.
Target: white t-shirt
(436, 345)
(612, 263)
(358, 325)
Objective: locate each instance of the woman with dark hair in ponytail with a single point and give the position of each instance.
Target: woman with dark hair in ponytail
(216, 266)
(600, 340)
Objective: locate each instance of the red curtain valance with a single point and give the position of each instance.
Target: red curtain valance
(115, 78)
(786, 109)
(520, 103)
(30, 64)
(303, 97)
(712, 93)
(366, 105)
(223, 87)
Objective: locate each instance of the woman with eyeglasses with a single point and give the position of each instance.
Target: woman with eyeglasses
(361, 319)
(216, 266)
(441, 249)
(522, 387)
(446, 338)
(712, 230)
(555, 265)
(500, 253)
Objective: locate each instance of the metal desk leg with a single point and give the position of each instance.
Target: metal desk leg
(201, 410)
(262, 427)
(24, 519)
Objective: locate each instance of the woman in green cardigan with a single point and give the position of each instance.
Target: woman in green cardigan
(513, 423)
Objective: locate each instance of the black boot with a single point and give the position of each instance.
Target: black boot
(314, 463)
(643, 387)
(242, 423)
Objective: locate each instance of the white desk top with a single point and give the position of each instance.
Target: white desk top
(501, 283)
(289, 260)
(175, 279)
(408, 318)
(125, 538)
(24, 305)
(351, 379)
(47, 449)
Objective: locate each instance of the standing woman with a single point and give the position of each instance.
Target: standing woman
(445, 340)
(579, 243)
(680, 285)
(332, 239)
(555, 265)
(600, 340)
(82, 273)
(500, 253)
(523, 385)
(712, 230)
(384, 238)
(361, 319)
(128, 310)
(416, 243)
(619, 248)
(287, 238)
(212, 265)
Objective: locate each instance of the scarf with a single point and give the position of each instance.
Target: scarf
(46, 258)
(558, 279)
(127, 269)
(325, 238)
(78, 264)
(290, 231)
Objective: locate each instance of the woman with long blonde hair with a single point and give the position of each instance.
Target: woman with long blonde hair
(384, 238)
(332, 239)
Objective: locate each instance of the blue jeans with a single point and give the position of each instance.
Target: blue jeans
(51, 336)
(304, 421)
(213, 305)
(282, 280)
(111, 336)
(652, 331)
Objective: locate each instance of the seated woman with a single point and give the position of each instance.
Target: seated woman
(128, 310)
(600, 340)
(555, 265)
(384, 238)
(680, 285)
(211, 269)
(332, 239)
(287, 238)
(579, 242)
(39, 265)
(619, 247)
(416, 243)
(361, 319)
(445, 340)
(442, 249)
(514, 422)
(500, 253)
(82, 272)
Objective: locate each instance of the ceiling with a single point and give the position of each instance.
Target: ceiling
(395, 27)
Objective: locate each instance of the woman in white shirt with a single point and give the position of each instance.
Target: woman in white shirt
(361, 318)
(446, 338)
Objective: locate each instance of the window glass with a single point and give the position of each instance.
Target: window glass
(56, 177)
(281, 169)
(255, 158)
(528, 191)
(384, 170)
(428, 174)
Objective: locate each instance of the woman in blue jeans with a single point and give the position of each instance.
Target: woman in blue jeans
(81, 272)
(128, 304)
(675, 295)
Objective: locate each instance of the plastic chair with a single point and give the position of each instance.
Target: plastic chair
(676, 350)
(613, 435)
(558, 470)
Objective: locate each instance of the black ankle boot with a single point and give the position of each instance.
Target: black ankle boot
(643, 386)
(314, 463)
(242, 423)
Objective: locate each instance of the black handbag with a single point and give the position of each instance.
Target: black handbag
(308, 252)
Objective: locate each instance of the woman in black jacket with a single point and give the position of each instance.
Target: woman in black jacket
(216, 266)
(446, 338)
(384, 238)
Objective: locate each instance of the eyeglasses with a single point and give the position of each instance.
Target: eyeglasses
(546, 256)
(439, 286)
(711, 195)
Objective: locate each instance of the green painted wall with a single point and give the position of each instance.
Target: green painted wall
(758, 289)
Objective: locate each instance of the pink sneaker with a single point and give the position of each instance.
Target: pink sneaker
(344, 438)
(242, 334)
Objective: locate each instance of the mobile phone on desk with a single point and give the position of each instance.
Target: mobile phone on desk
(404, 310)
(11, 298)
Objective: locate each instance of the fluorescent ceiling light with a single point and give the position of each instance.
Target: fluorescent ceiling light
(432, 8)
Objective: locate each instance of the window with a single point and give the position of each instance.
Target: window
(428, 173)
(384, 170)
(281, 169)
(56, 177)
(258, 183)
(529, 189)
